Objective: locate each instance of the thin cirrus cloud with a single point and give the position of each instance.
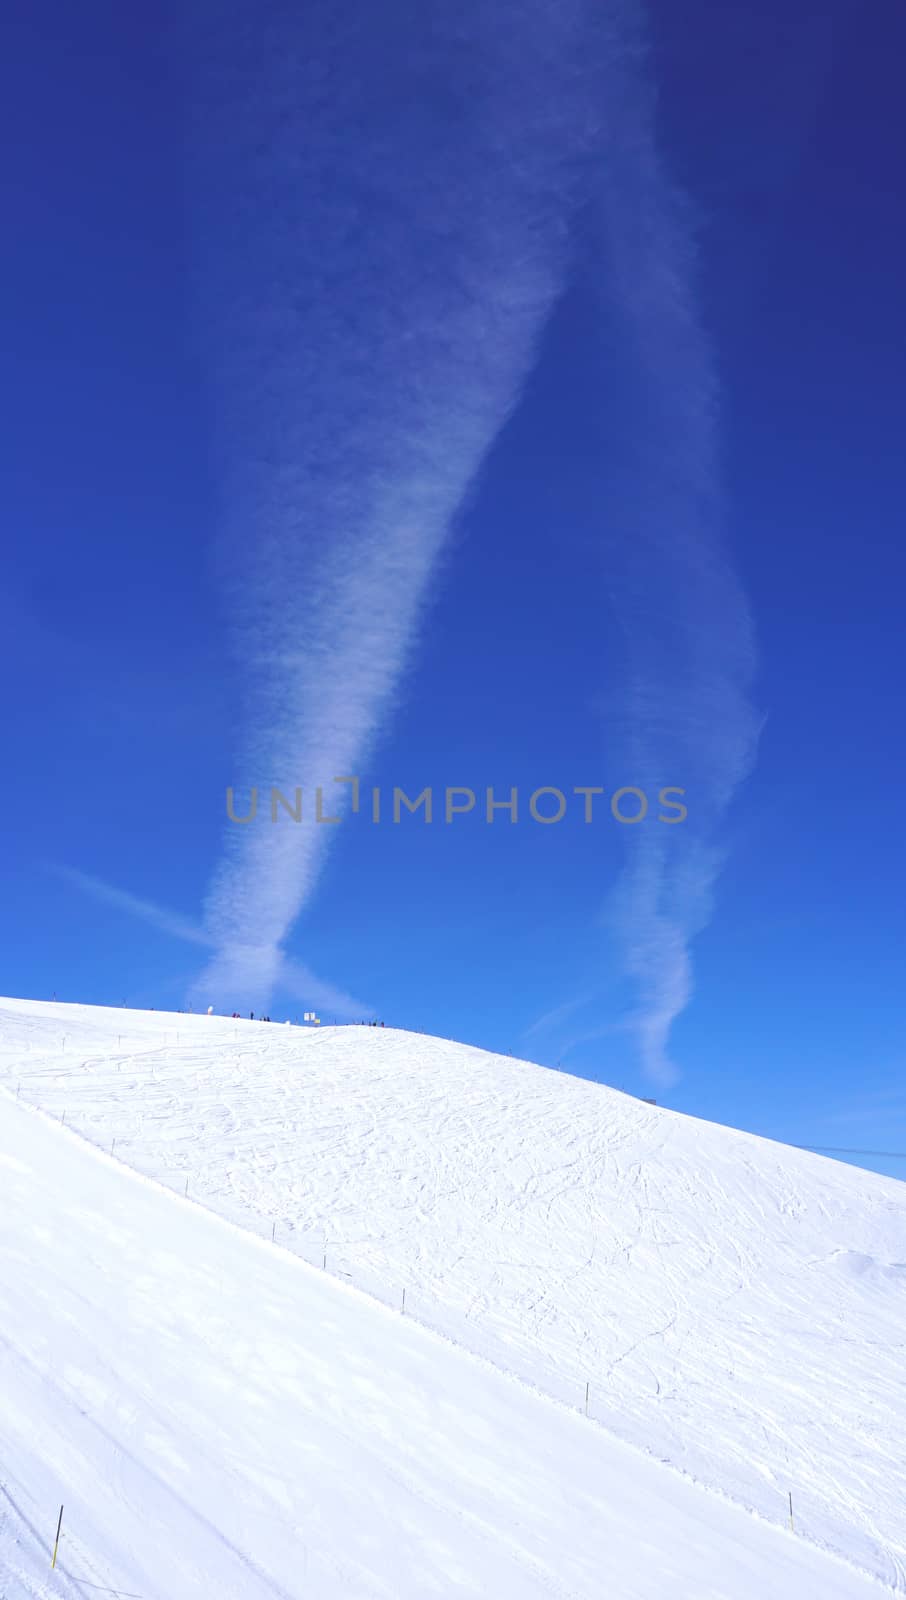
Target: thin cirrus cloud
(169, 922)
(680, 711)
(683, 713)
(384, 213)
(384, 216)
(297, 982)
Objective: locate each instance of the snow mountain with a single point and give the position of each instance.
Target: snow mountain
(357, 1312)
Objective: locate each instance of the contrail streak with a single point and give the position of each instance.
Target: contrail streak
(296, 981)
(385, 204)
(386, 199)
(683, 712)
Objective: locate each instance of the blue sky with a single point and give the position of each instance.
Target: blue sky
(383, 396)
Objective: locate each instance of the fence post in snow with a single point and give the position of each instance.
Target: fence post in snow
(273, 1232)
(187, 1188)
(403, 1307)
(587, 1387)
(57, 1539)
(791, 1511)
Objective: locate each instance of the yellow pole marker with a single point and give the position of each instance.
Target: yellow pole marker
(56, 1542)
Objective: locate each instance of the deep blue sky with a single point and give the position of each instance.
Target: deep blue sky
(119, 691)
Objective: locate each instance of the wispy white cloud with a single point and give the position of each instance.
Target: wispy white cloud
(294, 979)
(158, 917)
(682, 713)
(881, 1107)
(384, 223)
(556, 1016)
(384, 220)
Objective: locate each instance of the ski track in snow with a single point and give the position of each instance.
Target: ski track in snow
(738, 1308)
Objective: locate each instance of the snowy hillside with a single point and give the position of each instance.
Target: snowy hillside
(215, 1414)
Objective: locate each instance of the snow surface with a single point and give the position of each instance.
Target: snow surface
(220, 1416)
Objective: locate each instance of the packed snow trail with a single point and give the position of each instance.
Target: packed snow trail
(737, 1308)
(219, 1419)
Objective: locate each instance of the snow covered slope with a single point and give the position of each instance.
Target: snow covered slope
(218, 1419)
(736, 1308)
